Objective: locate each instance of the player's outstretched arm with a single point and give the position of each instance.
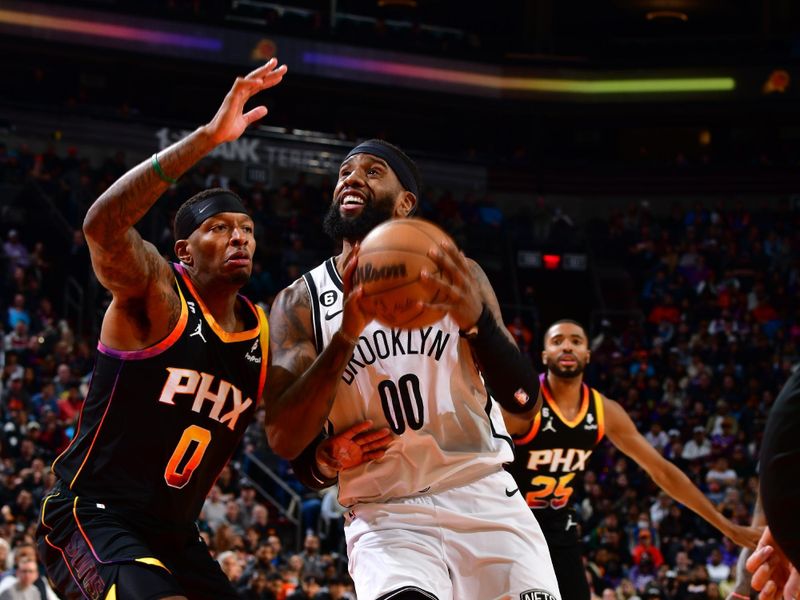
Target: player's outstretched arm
(123, 262)
(624, 435)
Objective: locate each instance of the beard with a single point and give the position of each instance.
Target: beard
(374, 213)
(571, 373)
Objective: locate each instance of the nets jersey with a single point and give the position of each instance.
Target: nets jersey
(421, 383)
(551, 456)
(159, 424)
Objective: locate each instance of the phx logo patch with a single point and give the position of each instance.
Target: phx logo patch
(536, 595)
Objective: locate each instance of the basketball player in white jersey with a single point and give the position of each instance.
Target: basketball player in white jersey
(550, 456)
(436, 516)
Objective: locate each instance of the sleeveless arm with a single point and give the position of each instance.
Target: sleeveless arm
(145, 304)
(301, 385)
(624, 435)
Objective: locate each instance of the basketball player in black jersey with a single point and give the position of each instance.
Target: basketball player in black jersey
(181, 366)
(553, 450)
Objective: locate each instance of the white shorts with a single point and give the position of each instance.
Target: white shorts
(474, 542)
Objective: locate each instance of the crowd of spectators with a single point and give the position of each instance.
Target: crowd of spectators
(698, 370)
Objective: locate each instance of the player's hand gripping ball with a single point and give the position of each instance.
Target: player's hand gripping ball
(389, 263)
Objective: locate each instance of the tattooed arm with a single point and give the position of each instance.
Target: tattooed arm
(145, 305)
(301, 384)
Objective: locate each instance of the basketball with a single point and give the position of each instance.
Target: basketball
(389, 264)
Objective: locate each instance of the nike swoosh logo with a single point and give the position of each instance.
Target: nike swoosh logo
(511, 492)
(202, 209)
(329, 316)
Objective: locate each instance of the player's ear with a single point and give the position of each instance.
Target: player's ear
(182, 252)
(588, 356)
(405, 206)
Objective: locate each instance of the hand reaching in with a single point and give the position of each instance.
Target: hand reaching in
(352, 447)
(773, 574)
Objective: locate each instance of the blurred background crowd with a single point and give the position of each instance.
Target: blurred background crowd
(664, 218)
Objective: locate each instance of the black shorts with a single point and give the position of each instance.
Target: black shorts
(565, 552)
(90, 552)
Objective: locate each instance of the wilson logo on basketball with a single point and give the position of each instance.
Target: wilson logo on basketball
(369, 273)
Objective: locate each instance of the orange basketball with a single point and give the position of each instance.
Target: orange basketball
(389, 263)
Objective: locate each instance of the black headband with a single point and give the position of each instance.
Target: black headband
(397, 161)
(190, 219)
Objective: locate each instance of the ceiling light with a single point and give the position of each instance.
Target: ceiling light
(663, 15)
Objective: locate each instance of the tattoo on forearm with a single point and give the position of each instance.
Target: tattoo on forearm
(131, 196)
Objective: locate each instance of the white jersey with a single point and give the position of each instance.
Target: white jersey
(424, 385)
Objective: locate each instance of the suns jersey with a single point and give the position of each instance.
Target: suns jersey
(159, 424)
(551, 456)
(421, 383)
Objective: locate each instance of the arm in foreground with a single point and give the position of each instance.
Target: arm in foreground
(772, 571)
(468, 296)
(318, 466)
(302, 384)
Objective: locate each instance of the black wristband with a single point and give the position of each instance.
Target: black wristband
(305, 467)
(509, 375)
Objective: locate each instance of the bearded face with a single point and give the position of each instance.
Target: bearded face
(566, 352)
(339, 226)
(367, 194)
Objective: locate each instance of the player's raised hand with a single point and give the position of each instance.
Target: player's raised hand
(350, 448)
(230, 121)
(459, 290)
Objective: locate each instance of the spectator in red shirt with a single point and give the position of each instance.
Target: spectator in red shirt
(69, 406)
(645, 546)
(665, 310)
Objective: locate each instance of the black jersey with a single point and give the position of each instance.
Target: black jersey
(159, 424)
(552, 454)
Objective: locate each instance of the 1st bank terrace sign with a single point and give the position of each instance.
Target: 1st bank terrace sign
(264, 153)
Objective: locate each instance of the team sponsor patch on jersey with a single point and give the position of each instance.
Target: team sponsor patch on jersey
(536, 595)
(521, 397)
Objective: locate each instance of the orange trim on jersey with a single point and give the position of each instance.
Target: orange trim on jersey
(157, 348)
(521, 441)
(83, 533)
(75, 435)
(225, 336)
(264, 335)
(96, 433)
(548, 396)
(600, 409)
